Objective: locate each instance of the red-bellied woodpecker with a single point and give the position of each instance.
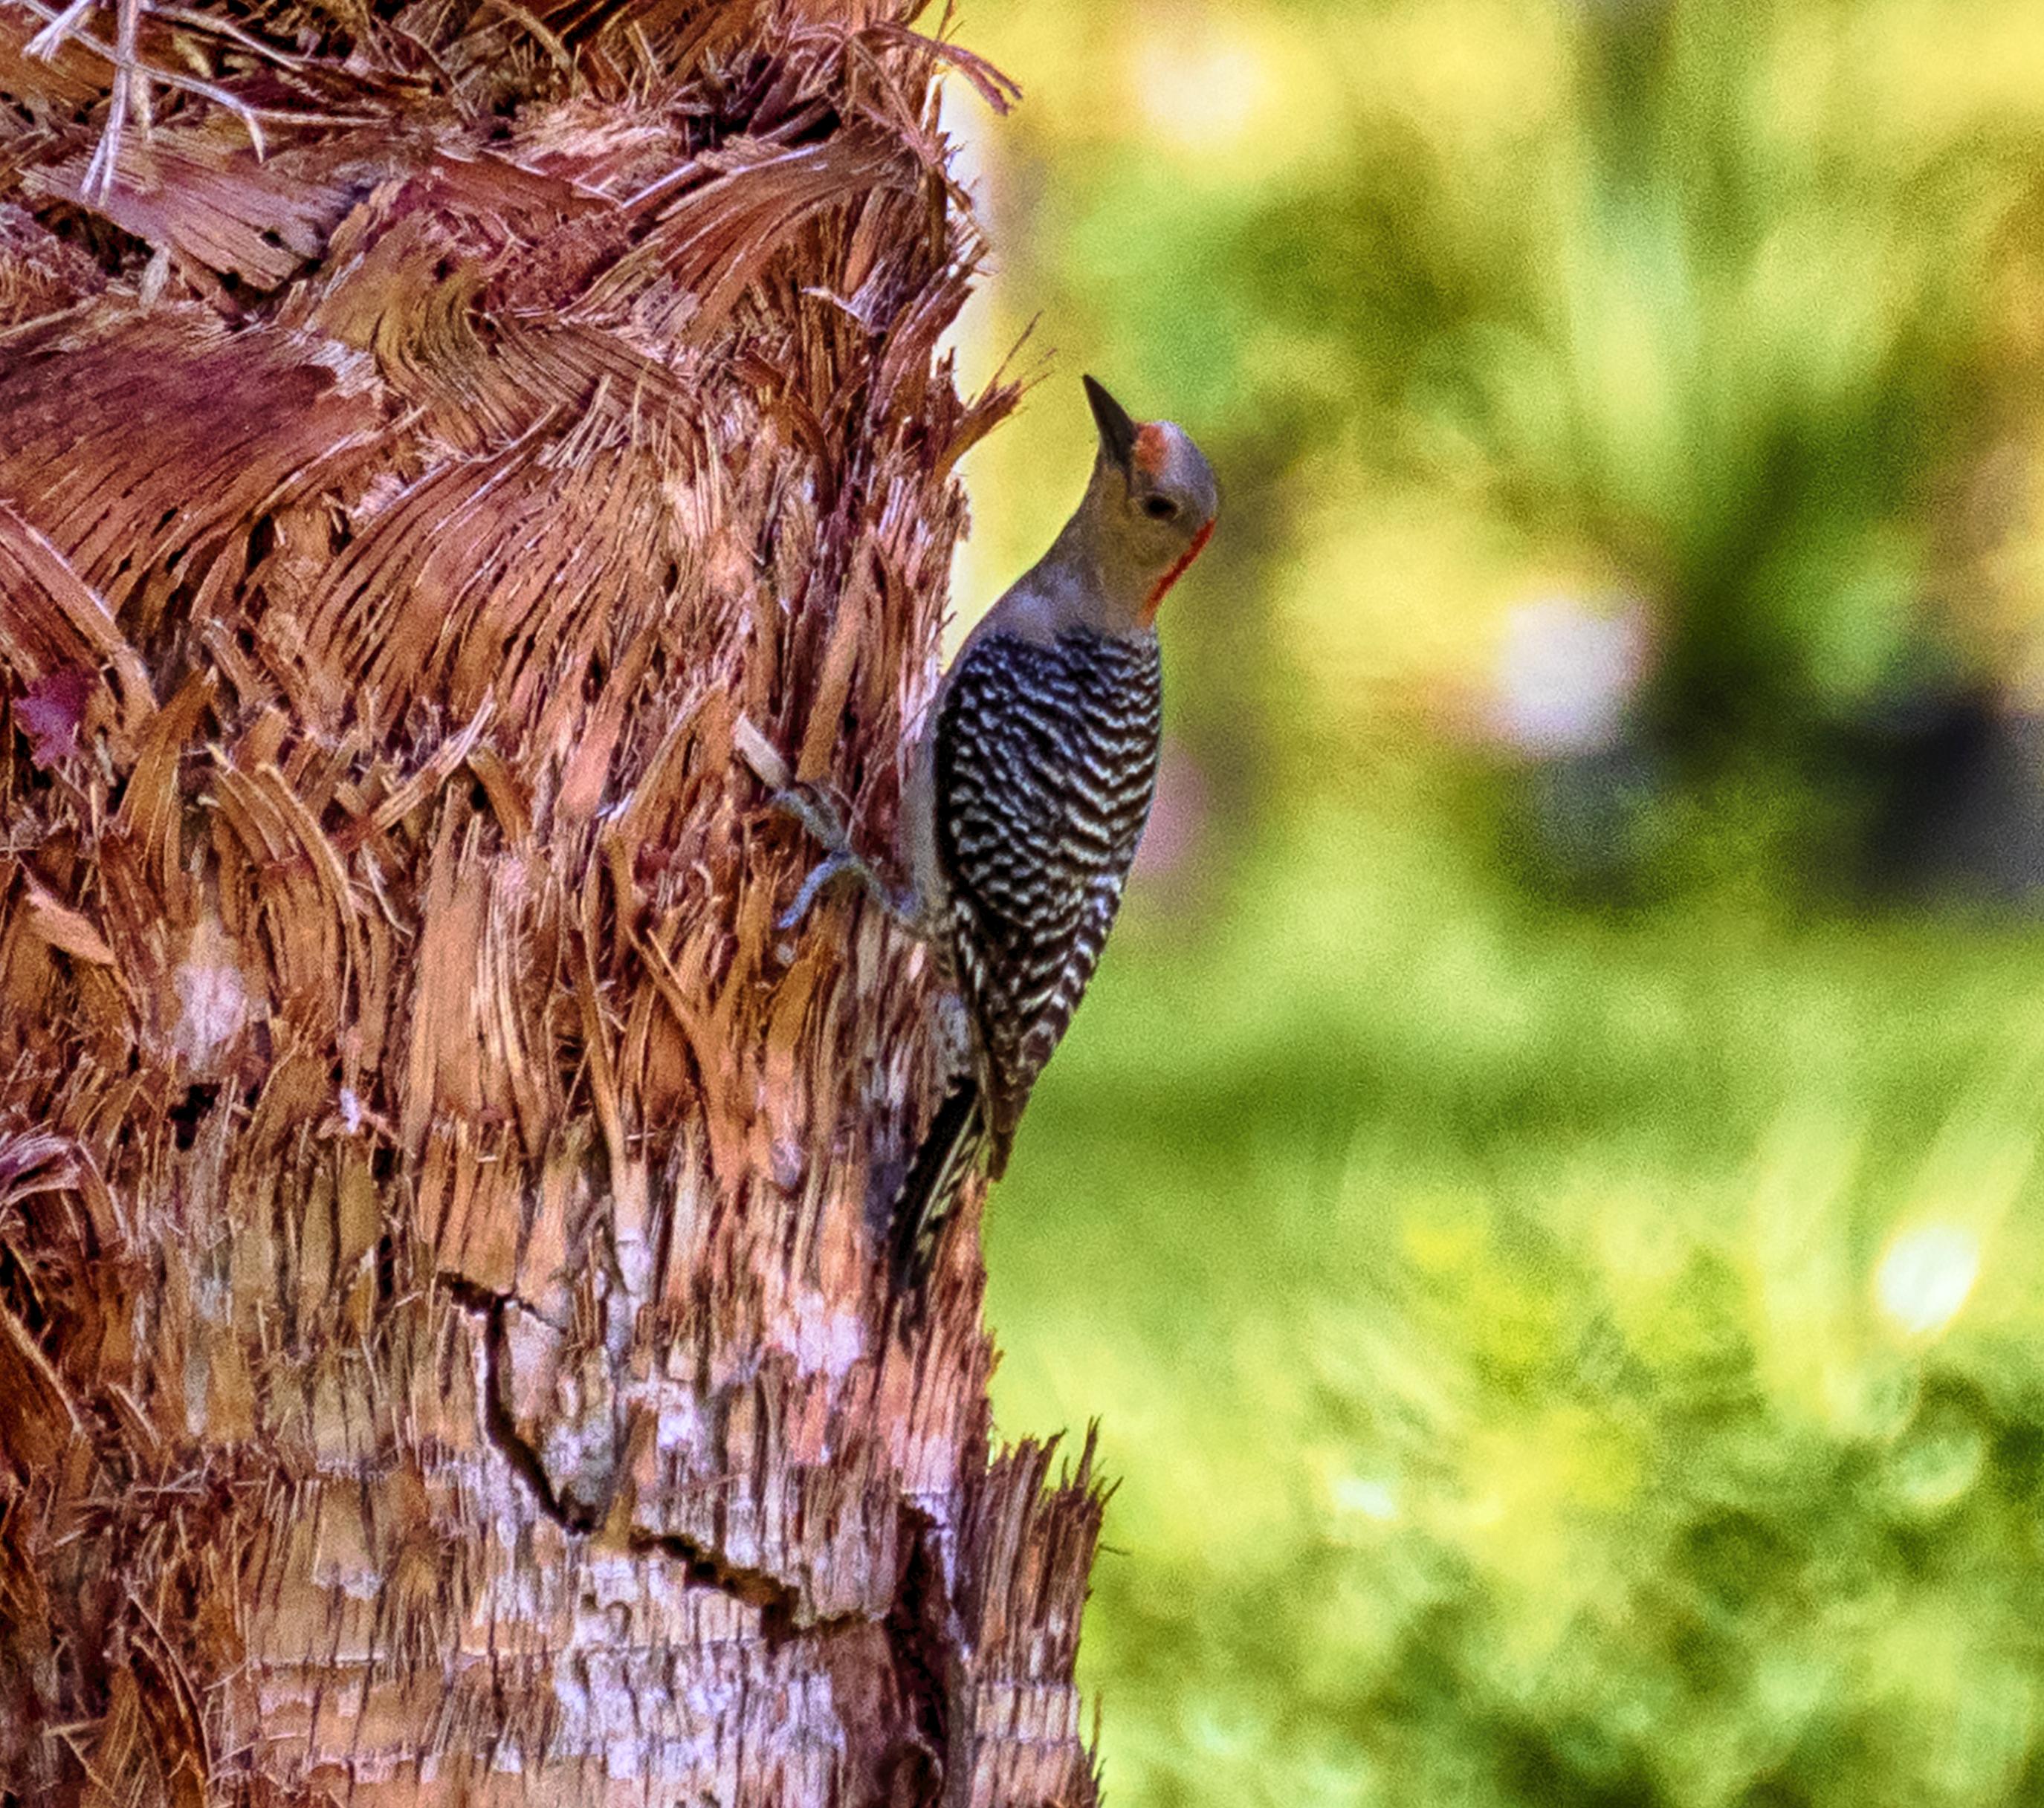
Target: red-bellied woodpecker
(1028, 793)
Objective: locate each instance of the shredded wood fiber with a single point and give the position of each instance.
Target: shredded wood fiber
(440, 1348)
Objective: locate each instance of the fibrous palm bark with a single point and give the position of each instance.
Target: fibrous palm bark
(442, 1353)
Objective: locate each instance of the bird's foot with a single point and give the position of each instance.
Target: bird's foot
(805, 804)
(815, 809)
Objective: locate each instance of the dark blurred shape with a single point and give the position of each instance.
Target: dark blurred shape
(1959, 788)
(1592, 816)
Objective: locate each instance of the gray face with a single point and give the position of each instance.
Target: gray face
(1172, 495)
(1166, 499)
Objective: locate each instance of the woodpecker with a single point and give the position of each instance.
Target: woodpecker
(1027, 793)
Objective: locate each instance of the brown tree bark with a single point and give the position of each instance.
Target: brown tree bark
(442, 1353)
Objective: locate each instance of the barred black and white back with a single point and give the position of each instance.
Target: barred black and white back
(1046, 766)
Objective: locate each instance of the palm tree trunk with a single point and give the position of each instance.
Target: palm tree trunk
(442, 1349)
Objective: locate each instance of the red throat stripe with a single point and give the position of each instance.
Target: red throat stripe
(1185, 558)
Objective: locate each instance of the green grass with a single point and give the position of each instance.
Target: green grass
(1483, 1307)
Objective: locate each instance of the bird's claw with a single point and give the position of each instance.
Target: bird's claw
(833, 863)
(807, 805)
(817, 813)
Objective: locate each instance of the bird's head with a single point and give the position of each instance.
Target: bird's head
(1155, 497)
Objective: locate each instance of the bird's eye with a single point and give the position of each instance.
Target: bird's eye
(1159, 507)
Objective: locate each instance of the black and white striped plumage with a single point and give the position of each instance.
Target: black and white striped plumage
(1029, 788)
(1045, 764)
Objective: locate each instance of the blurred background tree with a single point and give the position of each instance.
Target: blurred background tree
(1543, 1195)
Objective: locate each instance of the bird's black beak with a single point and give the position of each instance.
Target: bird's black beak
(1117, 432)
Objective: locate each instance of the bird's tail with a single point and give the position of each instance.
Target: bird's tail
(949, 1152)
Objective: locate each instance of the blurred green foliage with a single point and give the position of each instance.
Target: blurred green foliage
(1552, 1353)
(1721, 309)
(1547, 1361)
